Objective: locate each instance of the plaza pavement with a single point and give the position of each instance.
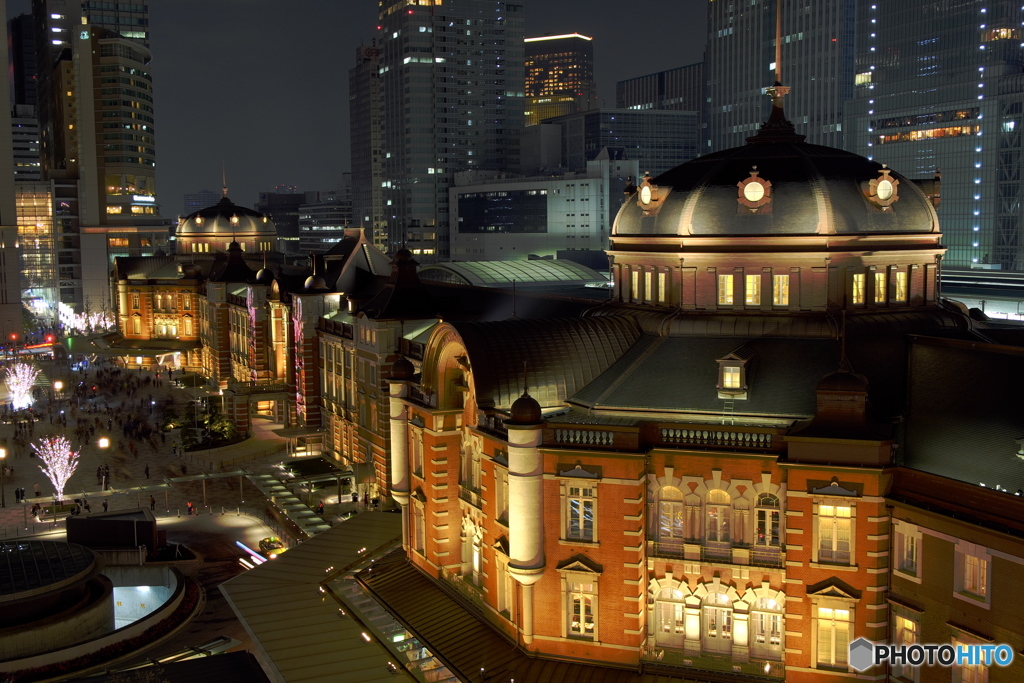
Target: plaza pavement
(171, 479)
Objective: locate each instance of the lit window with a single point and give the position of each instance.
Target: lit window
(136, 301)
(766, 631)
(117, 241)
(907, 545)
(635, 284)
(648, 285)
(113, 209)
(725, 291)
(662, 286)
(419, 533)
(880, 288)
(901, 285)
(580, 508)
(717, 513)
(858, 288)
(717, 609)
(731, 377)
(780, 290)
(752, 291)
(581, 603)
(136, 325)
(670, 615)
(972, 570)
(905, 632)
(671, 518)
(767, 520)
(834, 530)
(833, 637)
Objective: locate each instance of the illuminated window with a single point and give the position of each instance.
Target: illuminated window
(833, 637)
(671, 517)
(905, 631)
(858, 288)
(136, 301)
(880, 288)
(113, 209)
(725, 290)
(635, 284)
(901, 285)
(834, 533)
(862, 78)
(971, 572)
(907, 545)
(766, 531)
(731, 377)
(780, 290)
(117, 241)
(580, 513)
(662, 286)
(752, 290)
(136, 325)
(1000, 34)
(581, 604)
(187, 327)
(648, 285)
(186, 302)
(766, 630)
(717, 513)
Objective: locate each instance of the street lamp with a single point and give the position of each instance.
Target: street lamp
(3, 470)
(14, 344)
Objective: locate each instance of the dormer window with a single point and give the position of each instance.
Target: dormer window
(733, 373)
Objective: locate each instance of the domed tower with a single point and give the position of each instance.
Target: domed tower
(214, 228)
(778, 226)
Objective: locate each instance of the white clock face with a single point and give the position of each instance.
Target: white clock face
(645, 194)
(753, 191)
(884, 189)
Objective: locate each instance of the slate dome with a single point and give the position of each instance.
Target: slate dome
(226, 218)
(796, 188)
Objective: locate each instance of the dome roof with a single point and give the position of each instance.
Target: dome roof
(402, 369)
(795, 189)
(525, 411)
(226, 218)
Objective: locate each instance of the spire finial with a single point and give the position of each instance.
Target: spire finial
(224, 178)
(526, 380)
(514, 316)
(778, 42)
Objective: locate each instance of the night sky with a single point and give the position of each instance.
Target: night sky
(263, 84)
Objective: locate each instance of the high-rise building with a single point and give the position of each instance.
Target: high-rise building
(939, 87)
(559, 76)
(199, 200)
(451, 84)
(95, 108)
(658, 139)
(817, 63)
(22, 40)
(325, 217)
(365, 133)
(681, 89)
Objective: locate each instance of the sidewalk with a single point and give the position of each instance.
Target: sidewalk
(128, 472)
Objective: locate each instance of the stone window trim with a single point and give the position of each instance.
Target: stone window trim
(836, 501)
(580, 578)
(833, 602)
(901, 635)
(972, 574)
(906, 551)
(579, 485)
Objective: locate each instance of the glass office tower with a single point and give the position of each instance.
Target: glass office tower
(451, 83)
(559, 76)
(939, 87)
(817, 63)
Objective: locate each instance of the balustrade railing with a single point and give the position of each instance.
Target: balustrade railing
(584, 437)
(717, 437)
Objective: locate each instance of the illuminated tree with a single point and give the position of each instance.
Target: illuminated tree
(60, 460)
(21, 377)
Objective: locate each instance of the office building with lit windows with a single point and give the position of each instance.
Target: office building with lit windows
(451, 88)
(559, 76)
(365, 149)
(938, 86)
(817, 62)
(94, 99)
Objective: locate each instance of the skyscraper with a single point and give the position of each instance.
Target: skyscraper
(681, 88)
(817, 63)
(451, 83)
(364, 130)
(95, 108)
(559, 76)
(939, 87)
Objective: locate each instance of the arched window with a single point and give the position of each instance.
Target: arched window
(671, 518)
(766, 531)
(717, 513)
(670, 619)
(717, 615)
(766, 629)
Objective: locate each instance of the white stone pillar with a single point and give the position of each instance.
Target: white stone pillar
(525, 513)
(399, 445)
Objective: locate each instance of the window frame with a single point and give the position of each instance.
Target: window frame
(901, 286)
(839, 658)
(752, 290)
(857, 287)
(726, 291)
(723, 527)
(780, 290)
(567, 486)
(907, 538)
(580, 582)
(759, 509)
(972, 563)
(881, 287)
(835, 502)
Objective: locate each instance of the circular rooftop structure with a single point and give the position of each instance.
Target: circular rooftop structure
(777, 184)
(226, 218)
(31, 568)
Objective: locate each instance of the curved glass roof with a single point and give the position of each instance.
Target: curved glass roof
(31, 565)
(501, 273)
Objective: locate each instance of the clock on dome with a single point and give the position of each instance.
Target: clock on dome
(755, 192)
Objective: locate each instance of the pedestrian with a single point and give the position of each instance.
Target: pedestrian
(23, 493)
(320, 508)
(189, 507)
(147, 471)
(106, 504)
(152, 503)
(17, 495)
